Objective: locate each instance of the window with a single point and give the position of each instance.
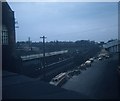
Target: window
(4, 35)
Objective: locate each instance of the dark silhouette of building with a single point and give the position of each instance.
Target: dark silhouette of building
(8, 37)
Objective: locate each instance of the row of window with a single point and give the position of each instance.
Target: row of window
(4, 35)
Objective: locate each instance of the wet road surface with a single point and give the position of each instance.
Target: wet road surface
(98, 81)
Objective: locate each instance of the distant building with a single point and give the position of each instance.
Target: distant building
(8, 36)
(112, 46)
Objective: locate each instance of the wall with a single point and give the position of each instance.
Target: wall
(8, 50)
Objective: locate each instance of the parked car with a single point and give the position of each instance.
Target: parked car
(70, 73)
(88, 63)
(76, 71)
(100, 58)
(91, 59)
(83, 66)
(107, 56)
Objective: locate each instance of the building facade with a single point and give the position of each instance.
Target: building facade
(8, 36)
(112, 46)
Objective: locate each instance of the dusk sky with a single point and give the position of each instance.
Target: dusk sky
(66, 21)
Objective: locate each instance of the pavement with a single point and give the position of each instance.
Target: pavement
(100, 81)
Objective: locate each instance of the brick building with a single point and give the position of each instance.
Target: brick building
(8, 36)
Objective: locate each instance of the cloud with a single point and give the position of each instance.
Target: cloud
(63, 0)
(66, 21)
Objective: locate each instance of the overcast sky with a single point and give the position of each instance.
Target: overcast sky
(66, 21)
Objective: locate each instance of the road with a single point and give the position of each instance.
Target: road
(100, 81)
(16, 86)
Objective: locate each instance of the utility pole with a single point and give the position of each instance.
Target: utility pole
(29, 43)
(43, 37)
